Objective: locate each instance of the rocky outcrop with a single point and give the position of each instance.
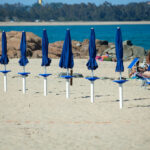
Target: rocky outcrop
(13, 44)
(80, 49)
(130, 51)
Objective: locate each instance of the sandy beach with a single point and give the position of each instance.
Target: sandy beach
(72, 23)
(35, 122)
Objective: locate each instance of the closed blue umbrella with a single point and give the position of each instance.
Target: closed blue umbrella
(4, 59)
(119, 66)
(66, 60)
(45, 60)
(92, 64)
(119, 51)
(23, 60)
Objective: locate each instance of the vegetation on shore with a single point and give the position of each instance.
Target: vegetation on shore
(75, 12)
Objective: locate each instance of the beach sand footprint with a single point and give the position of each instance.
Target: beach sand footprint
(98, 95)
(21, 90)
(37, 92)
(125, 100)
(140, 106)
(143, 106)
(139, 99)
(85, 96)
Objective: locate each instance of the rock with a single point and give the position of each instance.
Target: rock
(55, 49)
(127, 42)
(84, 49)
(14, 54)
(138, 52)
(78, 44)
(80, 49)
(111, 45)
(147, 51)
(101, 42)
(127, 52)
(13, 43)
(85, 42)
(101, 49)
(111, 52)
(37, 54)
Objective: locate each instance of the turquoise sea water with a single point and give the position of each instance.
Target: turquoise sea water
(138, 34)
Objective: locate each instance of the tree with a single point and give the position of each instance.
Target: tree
(75, 12)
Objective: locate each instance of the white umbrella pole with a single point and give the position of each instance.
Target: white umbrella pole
(120, 76)
(45, 70)
(67, 85)
(121, 93)
(92, 73)
(92, 89)
(24, 82)
(45, 84)
(120, 96)
(5, 80)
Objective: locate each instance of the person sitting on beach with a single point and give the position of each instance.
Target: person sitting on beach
(144, 72)
(136, 69)
(105, 56)
(101, 58)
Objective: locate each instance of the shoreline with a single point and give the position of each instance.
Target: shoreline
(74, 23)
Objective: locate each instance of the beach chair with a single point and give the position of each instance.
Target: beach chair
(145, 80)
(135, 60)
(133, 63)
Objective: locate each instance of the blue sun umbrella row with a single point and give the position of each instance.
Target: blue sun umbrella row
(66, 59)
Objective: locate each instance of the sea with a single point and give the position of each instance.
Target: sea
(138, 34)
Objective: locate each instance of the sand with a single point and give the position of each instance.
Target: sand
(73, 23)
(35, 122)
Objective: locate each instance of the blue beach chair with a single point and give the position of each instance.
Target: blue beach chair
(131, 65)
(135, 60)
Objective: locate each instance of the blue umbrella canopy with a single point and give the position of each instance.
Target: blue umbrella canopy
(4, 59)
(119, 51)
(45, 60)
(92, 64)
(66, 60)
(23, 60)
